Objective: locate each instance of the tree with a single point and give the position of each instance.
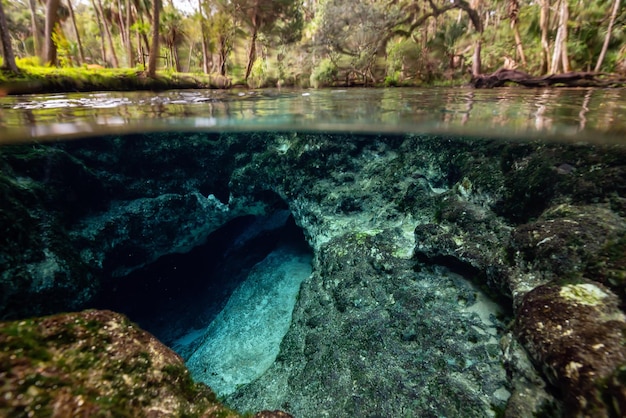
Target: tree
(263, 16)
(154, 46)
(203, 34)
(34, 28)
(107, 31)
(514, 16)
(357, 29)
(52, 19)
(223, 31)
(544, 23)
(172, 34)
(78, 41)
(560, 58)
(607, 38)
(7, 50)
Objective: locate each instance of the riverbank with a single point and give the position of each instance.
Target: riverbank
(34, 80)
(39, 80)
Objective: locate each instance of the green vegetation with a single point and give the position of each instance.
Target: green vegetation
(34, 78)
(262, 43)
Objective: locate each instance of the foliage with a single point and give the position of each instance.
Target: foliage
(404, 59)
(324, 74)
(64, 49)
(325, 42)
(259, 75)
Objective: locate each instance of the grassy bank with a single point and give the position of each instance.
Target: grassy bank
(39, 79)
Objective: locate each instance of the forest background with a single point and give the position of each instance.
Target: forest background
(313, 42)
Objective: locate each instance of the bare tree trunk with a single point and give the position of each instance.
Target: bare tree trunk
(191, 45)
(34, 29)
(122, 22)
(564, 52)
(607, 38)
(252, 52)
(130, 57)
(205, 45)
(7, 49)
(514, 15)
(560, 59)
(107, 31)
(476, 61)
(50, 49)
(101, 30)
(223, 54)
(154, 47)
(80, 44)
(544, 23)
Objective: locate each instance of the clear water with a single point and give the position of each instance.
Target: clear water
(563, 114)
(429, 370)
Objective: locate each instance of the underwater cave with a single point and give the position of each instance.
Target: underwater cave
(177, 296)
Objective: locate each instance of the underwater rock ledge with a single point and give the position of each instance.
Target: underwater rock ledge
(97, 363)
(540, 226)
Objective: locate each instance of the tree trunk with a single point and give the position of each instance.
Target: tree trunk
(476, 61)
(223, 55)
(514, 15)
(99, 18)
(7, 49)
(34, 29)
(252, 52)
(205, 45)
(560, 59)
(154, 47)
(50, 49)
(122, 22)
(107, 31)
(129, 51)
(544, 23)
(80, 44)
(607, 38)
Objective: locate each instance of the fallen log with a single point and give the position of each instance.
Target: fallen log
(504, 77)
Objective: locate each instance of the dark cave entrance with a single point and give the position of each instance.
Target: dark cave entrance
(179, 292)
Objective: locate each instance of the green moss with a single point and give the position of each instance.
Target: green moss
(23, 341)
(33, 78)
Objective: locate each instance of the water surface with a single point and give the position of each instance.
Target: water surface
(567, 113)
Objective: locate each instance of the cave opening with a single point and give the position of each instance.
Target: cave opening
(179, 295)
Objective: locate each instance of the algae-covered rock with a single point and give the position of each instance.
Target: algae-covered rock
(95, 363)
(575, 333)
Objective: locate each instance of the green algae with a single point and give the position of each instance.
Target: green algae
(98, 362)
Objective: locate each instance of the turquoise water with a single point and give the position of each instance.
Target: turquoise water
(340, 253)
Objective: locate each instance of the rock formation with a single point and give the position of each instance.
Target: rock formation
(408, 232)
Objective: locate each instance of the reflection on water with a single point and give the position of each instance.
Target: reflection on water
(579, 113)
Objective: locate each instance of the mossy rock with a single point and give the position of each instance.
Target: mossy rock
(95, 363)
(575, 332)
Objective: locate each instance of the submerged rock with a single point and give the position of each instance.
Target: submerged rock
(95, 363)
(409, 234)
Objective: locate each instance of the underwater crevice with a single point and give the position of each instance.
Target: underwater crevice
(178, 292)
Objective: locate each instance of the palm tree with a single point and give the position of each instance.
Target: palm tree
(172, 34)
